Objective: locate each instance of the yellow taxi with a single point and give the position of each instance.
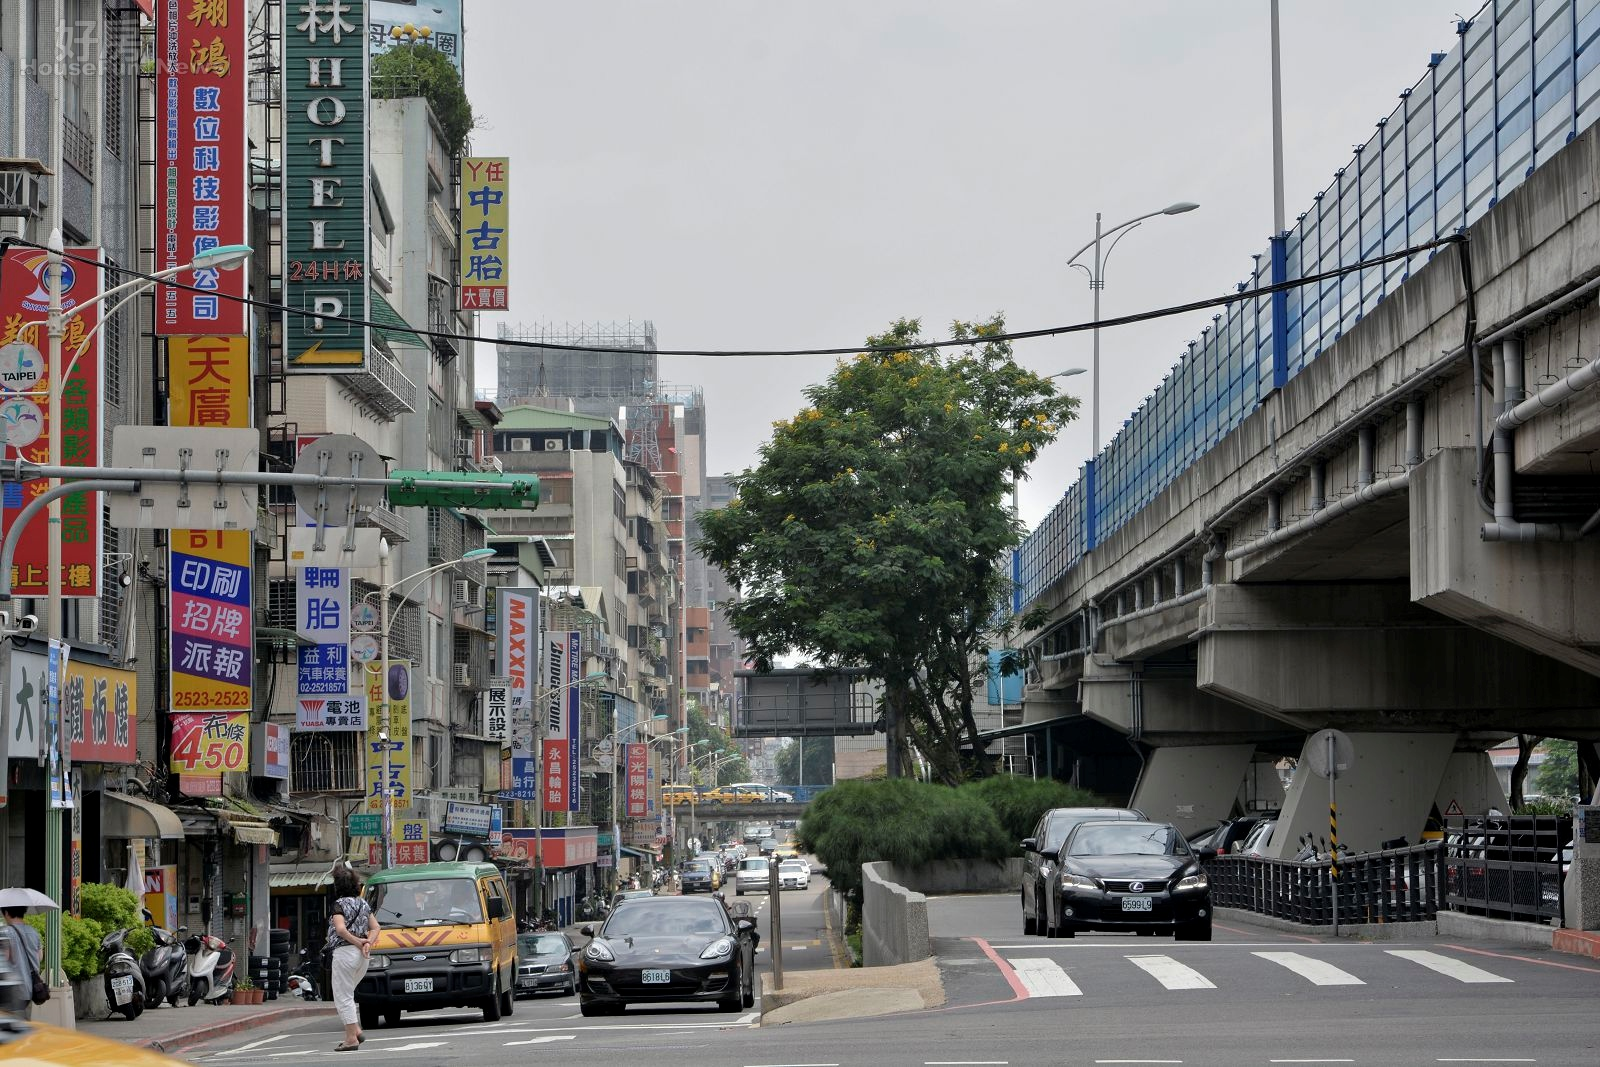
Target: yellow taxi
(30, 1044)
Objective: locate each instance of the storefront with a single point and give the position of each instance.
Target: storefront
(566, 856)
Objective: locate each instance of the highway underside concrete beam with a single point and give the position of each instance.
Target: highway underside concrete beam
(1537, 594)
(1362, 656)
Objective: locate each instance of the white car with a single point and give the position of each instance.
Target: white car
(752, 875)
(794, 874)
(764, 791)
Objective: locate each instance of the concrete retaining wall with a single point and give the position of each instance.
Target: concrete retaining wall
(894, 904)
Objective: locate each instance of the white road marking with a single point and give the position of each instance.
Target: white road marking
(1452, 968)
(750, 1018)
(543, 1040)
(1314, 971)
(251, 1045)
(1172, 974)
(1044, 978)
(302, 1052)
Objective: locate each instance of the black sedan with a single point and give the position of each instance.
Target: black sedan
(668, 949)
(544, 962)
(1138, 876)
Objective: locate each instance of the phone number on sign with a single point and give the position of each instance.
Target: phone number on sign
(206, 700)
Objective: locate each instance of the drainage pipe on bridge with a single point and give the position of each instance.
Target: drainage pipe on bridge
(1513, 411)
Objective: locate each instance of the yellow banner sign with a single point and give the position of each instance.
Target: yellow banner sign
(210, 381)
(398, 745)
(485, 232)
(210, 743)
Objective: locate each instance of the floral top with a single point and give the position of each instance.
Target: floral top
(357, 912)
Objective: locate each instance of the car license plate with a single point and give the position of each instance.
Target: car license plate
(655, 977)
(1135, 903)
(122, 988)
(419, 985)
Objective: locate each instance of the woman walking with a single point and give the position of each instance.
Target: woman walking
(352, 930)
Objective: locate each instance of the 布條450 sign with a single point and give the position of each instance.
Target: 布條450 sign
(324, 185)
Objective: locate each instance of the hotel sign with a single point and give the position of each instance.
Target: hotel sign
(325, 206)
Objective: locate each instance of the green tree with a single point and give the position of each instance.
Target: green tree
(818, 762)
(1558, 774)
(704, 737)
(871, 530)
(422, 70)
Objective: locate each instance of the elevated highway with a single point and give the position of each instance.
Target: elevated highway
(1365, 503)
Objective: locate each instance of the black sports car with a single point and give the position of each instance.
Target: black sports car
(666, 949)
(1138, 876)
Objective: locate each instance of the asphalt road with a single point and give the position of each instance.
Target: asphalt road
(1252, 996)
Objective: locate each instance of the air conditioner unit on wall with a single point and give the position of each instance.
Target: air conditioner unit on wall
(521, 444)
(462, 674)
(21, 194)
(462, 591)
(554, 444)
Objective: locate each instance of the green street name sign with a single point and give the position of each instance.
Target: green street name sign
(365, 825)
(325, 203)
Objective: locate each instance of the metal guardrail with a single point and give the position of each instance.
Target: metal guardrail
(1395, 885)
(1508, 867)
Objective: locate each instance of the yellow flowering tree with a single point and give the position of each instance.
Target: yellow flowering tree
(872, 531)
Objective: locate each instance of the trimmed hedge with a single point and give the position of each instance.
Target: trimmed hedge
(911, 823)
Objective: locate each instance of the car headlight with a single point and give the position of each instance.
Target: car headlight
(1198, 880)
(378, 962)
(1077, 881)
(717, 949)
(467, 955)
(598, 950)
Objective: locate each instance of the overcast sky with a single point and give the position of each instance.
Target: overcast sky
(761, 175)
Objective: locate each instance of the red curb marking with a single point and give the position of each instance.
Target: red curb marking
(1019, 990)
(1525, 959)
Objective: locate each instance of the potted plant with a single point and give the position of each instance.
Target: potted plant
(245, 991)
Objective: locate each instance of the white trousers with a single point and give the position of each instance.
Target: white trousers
(349, 967)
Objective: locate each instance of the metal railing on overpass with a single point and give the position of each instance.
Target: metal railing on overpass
(1522, 80)
(1502, 867)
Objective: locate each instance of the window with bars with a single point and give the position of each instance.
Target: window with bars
(327, 762)
(111, 599)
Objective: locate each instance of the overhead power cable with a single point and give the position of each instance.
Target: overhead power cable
(849, 350)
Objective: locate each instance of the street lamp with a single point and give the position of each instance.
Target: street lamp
(224, 257)
(616, 833)
(385, 589)
(1097, 282)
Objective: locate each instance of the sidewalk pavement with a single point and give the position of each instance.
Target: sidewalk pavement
(167, 1029)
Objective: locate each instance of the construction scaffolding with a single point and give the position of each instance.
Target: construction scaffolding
(621, 367)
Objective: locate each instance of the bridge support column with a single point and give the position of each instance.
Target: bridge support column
(1469, 786)
(1386, 793)
(1192, 787)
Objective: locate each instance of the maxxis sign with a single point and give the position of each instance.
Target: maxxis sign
(325, 204)
(517, 618)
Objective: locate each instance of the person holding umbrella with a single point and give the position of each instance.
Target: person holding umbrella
(23, 951)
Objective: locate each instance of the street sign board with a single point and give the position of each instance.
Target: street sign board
(350, 547)
(338, 455)
(185, 505)
(474, 819)
(1330, 753)
(363, 824)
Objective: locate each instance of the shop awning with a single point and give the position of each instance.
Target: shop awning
(248, 829)
(641, 853)
(122, 816)
(300, 875)
(394, 329)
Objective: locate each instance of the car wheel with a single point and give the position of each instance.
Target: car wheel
(738, 892)
(589, 1009)
(369, 1017)
(1030, 925)
(1197, 930)
(391, 1019)
(507, 1003)
(572, 988)
(733, 1003)
(491, 1008)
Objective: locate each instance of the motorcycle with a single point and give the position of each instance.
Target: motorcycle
(166, 968)
(593, 908)
(210, 969)
(124, 980)
(303, 982)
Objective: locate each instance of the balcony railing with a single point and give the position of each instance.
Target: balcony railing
(441, 318)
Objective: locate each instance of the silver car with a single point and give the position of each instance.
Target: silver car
(752, 875)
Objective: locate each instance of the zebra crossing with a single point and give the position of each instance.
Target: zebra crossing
(1046, 977)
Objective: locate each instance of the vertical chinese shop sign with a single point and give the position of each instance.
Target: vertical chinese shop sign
(325, 206)
(563, 663)
(25, 384)
(485, 241)
(201, 69)
(212, 661)
(637, 762)
(398, 675)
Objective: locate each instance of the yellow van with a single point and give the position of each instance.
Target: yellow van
(449, 939)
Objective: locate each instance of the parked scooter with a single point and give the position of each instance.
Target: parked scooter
(210, 969)
(123, 977)
(303, 983)
(166, 968)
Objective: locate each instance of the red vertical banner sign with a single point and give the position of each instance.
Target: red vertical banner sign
(26, 382)
(637, 762)
(201, 156)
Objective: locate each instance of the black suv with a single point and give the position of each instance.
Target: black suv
(1039, 859)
